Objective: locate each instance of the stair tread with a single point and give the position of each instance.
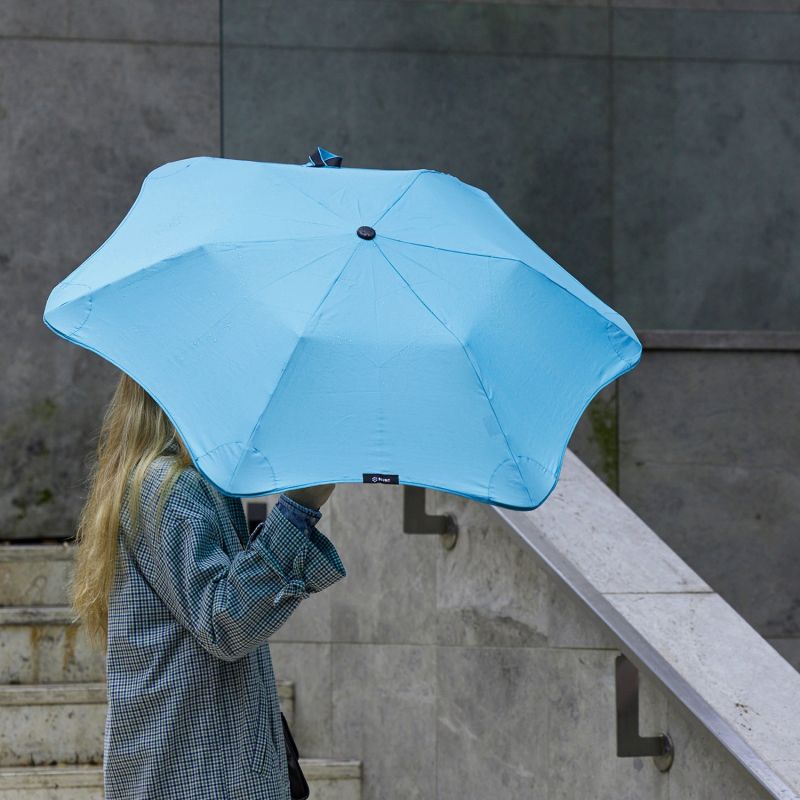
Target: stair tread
(24, 615)
(36, 552)
(92, 774)
(52, 693)
(80, 692)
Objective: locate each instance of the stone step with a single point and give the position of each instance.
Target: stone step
(61, 722)
(77, 782)
(40, 644)
(328, 780)
(35, 574)
(64, 722)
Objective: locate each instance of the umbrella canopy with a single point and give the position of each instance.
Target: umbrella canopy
(305, 325)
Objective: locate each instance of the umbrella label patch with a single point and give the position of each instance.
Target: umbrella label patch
(377, 477)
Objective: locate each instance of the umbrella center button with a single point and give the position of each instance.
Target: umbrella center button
(365, 232)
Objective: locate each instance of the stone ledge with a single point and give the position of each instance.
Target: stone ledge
(36, 552)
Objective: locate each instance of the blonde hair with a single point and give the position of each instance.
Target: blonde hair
(134, 432)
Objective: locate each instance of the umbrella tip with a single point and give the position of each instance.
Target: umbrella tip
(323, 158)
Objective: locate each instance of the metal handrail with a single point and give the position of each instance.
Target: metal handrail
(643, 655)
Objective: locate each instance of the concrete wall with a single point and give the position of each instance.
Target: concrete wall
(471, 673)
(93, 95)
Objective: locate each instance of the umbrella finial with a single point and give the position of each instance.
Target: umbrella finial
(323, 158)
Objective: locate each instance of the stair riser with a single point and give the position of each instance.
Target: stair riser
(66, 732)
(71, 733)
(36, 582)
(48, 654)
(320, 790)
(67, 793)
(333, 790)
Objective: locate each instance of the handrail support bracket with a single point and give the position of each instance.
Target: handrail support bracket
(629, 743)
(417, 520)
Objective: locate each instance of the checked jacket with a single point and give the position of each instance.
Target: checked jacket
(193, 707)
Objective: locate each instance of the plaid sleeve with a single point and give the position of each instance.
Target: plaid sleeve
(293, 544)
(233, 605)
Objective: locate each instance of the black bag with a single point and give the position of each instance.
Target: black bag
(297, 781)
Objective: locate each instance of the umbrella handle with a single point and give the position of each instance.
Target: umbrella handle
(323, 158)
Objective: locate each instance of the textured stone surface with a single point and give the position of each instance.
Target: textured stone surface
(502, 28)
(702, 762)
(764, 6)
(327, 779)
(105, 114)
(47, 653)
(377, 601)
(581, 720)
(686, 34)
(690, 133)
(35, 575)
(571, 624)
(606, 541)
(724, 493)
(384, 713)
(517, 697)
(491, 729)
(479, 599)
(187, 21)
(40, 734)
(308, 666)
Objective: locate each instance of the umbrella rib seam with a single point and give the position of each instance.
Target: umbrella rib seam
(401, 195)
(474, 369)
(530, 267)
(249, 441)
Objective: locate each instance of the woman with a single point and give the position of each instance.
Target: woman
(183, 601)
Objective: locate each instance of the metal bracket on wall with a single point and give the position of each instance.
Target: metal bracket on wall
(629, 743)
(417, 520)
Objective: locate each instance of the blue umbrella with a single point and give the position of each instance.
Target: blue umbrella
(311, 323)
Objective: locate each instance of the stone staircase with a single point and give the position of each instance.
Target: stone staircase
(53, 691)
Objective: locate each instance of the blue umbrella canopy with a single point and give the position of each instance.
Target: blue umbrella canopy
(314, 323)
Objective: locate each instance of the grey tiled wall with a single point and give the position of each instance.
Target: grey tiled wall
(92, 97)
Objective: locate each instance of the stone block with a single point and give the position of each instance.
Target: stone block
(389, 592)
(609, 544)
(705, 201)
(499, 28)
(684, 33)
(487, 591)
(384, 713)
(703, 769)
(187, 20)
(581, 728)
(105, 114)
(491, 722)
(35, 575)
(39, 645)
(308, 666)
(40, 725)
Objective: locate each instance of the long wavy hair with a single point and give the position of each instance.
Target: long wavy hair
(134, 431)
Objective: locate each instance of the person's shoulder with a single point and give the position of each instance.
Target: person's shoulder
(188, 493)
